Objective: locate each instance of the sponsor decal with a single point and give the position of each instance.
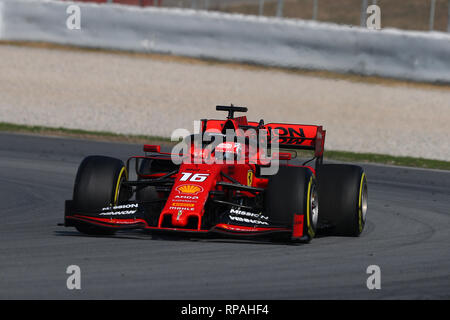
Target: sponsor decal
(124, 206)
(183, 197)
(124, 222)
(288, 135)
(182, 204)
(189, 189)
(180, 212)
(181, 208)
(189, 199)
(248, 214)
(240, 219)
(186, 201)
(117, 213)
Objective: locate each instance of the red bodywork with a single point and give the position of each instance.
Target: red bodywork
(194, 185)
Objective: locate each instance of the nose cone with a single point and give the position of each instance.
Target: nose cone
(186, 202)
(180, 219)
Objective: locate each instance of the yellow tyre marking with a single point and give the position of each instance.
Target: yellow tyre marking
(308, 210)
(359, 203)
(118, 184)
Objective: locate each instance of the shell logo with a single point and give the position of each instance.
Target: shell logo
(189, 188)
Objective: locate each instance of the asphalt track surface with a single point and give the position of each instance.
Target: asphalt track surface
(407, 235)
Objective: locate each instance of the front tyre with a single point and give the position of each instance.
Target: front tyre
(291, 199)
(98, 184)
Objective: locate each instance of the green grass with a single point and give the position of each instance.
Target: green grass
(85, 134)
(329, 154)
(387, 159)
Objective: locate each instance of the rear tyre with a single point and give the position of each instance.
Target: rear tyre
(291, 200)
(98, 184)
(343, 197)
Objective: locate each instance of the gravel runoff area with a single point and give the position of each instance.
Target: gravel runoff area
(127, 93)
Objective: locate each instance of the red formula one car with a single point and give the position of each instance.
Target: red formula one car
(223, 187)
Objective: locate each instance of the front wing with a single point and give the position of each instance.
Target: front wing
(139, 216)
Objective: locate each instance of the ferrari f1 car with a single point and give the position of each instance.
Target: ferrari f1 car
(233, 197)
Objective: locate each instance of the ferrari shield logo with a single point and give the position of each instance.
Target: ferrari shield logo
(249, 178)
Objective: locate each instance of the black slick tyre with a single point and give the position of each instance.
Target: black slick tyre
(291, 200)
(343, 197)
(98, 184)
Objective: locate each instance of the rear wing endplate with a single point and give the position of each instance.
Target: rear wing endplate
(297, 136)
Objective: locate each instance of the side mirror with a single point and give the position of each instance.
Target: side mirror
(152, 148)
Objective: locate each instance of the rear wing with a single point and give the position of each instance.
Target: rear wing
(290, 136)
(298, 136)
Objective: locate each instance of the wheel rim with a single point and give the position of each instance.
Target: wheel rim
(314, 205)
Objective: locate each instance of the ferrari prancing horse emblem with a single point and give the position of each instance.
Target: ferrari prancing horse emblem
(249, 178)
